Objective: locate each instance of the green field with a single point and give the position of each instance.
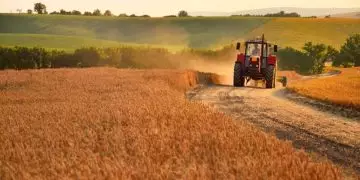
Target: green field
(66, 43)
(70, 32)
(295, 32)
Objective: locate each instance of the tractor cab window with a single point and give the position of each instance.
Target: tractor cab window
(253, 50)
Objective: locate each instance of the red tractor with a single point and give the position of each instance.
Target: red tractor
(258, 63)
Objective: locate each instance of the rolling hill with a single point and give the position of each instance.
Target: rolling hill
(301, 11)
(71, 32)
(348, 15)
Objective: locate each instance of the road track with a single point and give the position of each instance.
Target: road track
(330, 135)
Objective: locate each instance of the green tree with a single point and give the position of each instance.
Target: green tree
(29, 11)
(76, 12)
(169, 16)
(292, 59)
(97, 12)
(63, 12)
(349, 52)
(183, 13)
(40, 8)
(87, 13)
(107, 13)
(123, 15)
(319, 53)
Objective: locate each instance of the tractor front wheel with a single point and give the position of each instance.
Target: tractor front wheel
(270, 74)
(239, 79)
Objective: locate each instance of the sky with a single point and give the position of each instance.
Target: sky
(168, 7)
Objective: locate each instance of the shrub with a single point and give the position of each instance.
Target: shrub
(292, 59)
(349, 52)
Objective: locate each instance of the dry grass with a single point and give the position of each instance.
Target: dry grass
(342, 89)
(129, 124)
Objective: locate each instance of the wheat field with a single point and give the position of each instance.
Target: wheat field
(107, 123)
(341, 89)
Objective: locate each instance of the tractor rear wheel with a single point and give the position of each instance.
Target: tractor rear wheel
(239, 79)
(270, 73)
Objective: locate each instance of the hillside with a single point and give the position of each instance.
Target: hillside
(348, 15)
(70, 32)
(295, 32)
(66, 43)
(301, 11)
(192, 32)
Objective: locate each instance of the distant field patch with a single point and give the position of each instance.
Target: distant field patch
(294, 32)
(67, 43)
(206, 32)
(194, 32)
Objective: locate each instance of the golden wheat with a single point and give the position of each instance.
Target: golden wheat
(343, 89)
(131, 124)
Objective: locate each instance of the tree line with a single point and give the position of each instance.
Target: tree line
(123, 57)
(311, 59)
(279, 14)
(40, 8)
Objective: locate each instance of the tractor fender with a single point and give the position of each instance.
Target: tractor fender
(240, 58)
(272, 60)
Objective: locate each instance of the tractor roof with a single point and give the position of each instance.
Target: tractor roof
(256, 40)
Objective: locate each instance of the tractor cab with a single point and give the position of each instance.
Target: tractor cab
(258, 62)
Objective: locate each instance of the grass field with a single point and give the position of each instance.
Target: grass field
(207, 32)
(189, 32)
(67, 43)
(294, 32)
(112, 123)
(342, 89)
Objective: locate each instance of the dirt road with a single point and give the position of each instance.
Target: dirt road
(330, 135)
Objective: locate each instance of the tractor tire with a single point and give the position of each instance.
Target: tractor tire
(270, 75)
(239, 79)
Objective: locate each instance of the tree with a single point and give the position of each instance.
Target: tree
(76, 12)
(63, 12)
(133, 15)
(29, 11)
(97, 12)
(183, 13)
(319, 53)
(170, 16)
(123, 15)
(87, 13)
(295, 60)
(40, 8)
(349, 52)
(107, 13)
(145, 16)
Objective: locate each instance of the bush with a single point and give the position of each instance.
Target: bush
(292, 59)
(349, 52)
(122, 57)
(23, 58)
(60, 59)
(183, 13)
(87, 57)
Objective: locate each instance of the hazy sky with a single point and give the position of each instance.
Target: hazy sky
(167, 7)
